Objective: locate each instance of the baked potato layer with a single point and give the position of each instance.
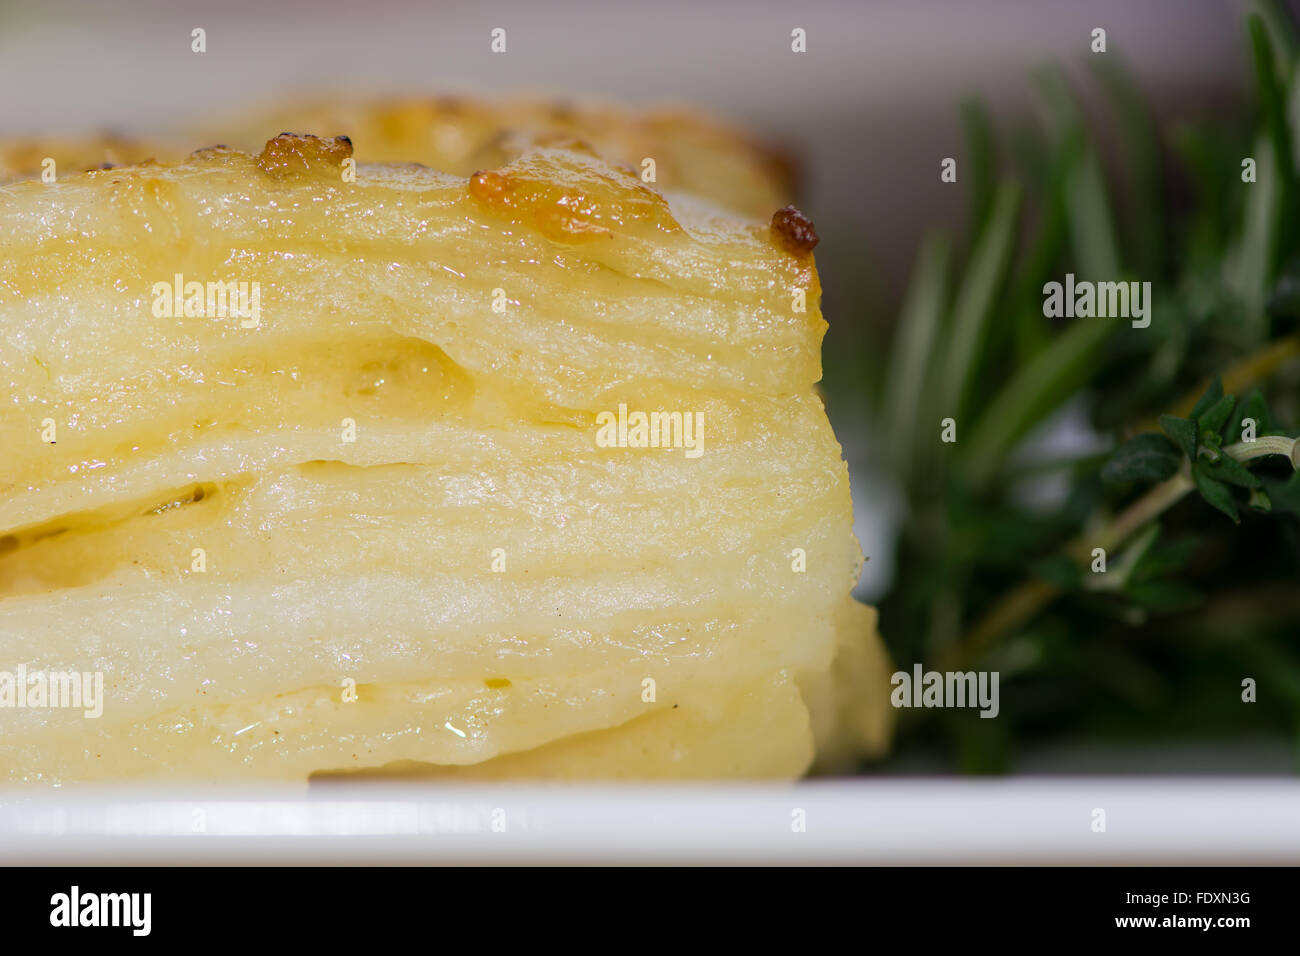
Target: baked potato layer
(365, 519)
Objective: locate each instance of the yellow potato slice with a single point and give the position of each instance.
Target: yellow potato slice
(373, 520)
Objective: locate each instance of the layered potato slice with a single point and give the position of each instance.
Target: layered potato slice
(682, 149)
(363, 506)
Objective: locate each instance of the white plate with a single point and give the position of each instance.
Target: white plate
(872, 821)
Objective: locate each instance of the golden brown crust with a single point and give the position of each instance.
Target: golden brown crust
(294, 153)
(537, 190)
(794, 231)
(692, 153)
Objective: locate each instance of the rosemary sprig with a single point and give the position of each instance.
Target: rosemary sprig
(1192, 507)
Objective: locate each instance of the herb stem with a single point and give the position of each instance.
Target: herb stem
(1023, 602)
(1267, 445)
(1147, 508)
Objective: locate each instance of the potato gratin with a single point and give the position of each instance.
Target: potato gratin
(332, 467)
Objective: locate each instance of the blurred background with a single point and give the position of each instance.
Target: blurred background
(1121, 164)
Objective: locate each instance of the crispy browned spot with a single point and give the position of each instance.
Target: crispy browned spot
(489, 186)
(294, 154)
(793, 231)
(560, 211)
